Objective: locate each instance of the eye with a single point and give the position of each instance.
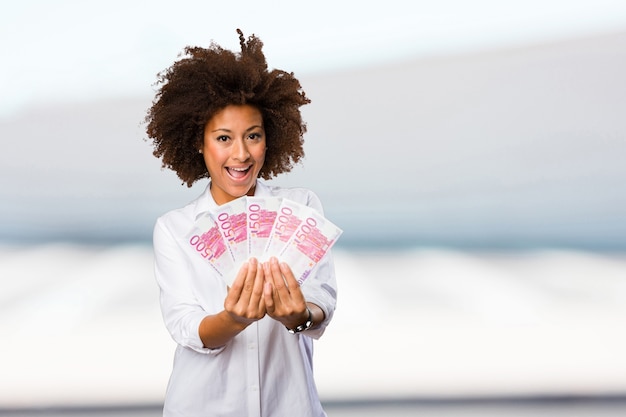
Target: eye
(255, 136)
(222, 138)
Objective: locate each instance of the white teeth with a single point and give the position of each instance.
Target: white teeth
(240, 169)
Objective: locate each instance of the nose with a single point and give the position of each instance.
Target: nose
(240, 150)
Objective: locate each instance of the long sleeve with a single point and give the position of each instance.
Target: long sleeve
(264, 370)
(182, 310)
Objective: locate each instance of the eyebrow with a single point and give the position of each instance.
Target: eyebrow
(223, 129)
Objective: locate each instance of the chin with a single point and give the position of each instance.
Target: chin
(241, 191)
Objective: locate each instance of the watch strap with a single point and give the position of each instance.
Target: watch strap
(304, 326)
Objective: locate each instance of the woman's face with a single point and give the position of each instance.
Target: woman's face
(234, 151)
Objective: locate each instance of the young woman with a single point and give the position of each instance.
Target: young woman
(244, 349)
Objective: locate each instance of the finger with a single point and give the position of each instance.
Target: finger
(262, 307)
(290, 278)
(278, 292)
(241, 277)
(277, 274)
(292, 283)
(268, 297)
(259, 280)
(281, 288)
(237, 286)
(269, 277)
(248, 285)
(267, 271)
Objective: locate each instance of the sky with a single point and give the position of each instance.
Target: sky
(71, 50)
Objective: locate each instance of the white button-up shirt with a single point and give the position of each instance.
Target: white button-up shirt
(264, 370)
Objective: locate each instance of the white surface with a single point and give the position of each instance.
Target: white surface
(82, 326)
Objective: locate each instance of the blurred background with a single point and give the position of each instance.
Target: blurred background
(471, 151)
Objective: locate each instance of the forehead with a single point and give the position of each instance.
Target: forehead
(236, 115)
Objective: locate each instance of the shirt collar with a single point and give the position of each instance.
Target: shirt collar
(206, 203)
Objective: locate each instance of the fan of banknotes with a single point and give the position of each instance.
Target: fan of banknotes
(263, 227)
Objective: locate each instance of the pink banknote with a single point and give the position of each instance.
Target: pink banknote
(262, 212)
(309, 244)
(231, 221)
(263, 227)
(207, 240)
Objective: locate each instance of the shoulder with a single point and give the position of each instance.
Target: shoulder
(183, 217)
(298, 194)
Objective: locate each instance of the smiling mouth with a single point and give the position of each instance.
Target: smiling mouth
(238, 172)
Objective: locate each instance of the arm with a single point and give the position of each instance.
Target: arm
(319, 292)
(284, 300)
(244, 305)
(202, 325)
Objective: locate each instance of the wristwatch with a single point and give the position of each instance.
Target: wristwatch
(305, 326)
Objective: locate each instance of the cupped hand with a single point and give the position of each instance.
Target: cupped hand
(245, 302)
(284, 300)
